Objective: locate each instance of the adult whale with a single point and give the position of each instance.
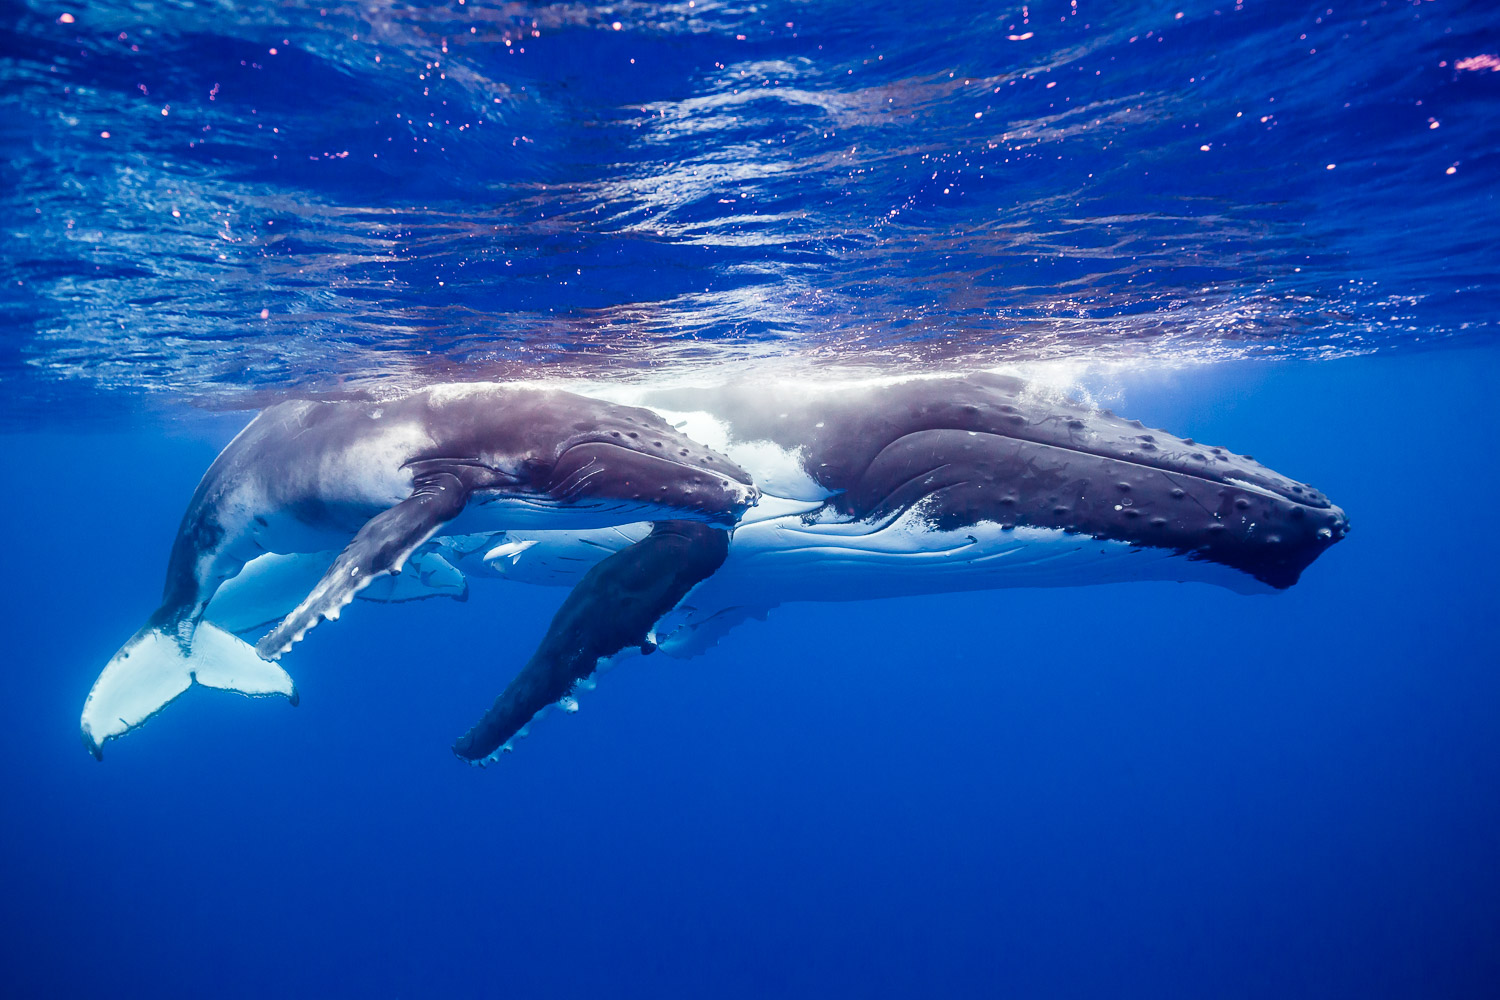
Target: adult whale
(305, 476)
(923, 486)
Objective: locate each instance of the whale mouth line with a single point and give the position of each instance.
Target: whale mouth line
(1229, 481)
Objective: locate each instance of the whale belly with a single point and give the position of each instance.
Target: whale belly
(789, 559)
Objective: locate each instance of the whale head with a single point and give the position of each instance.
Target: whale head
(556, 459)
(995, 455)
(658, 467)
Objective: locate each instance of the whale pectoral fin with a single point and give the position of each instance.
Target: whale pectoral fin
(427, 574)
(696, 634)
(383, 545)
(611, 609)
(258, 596)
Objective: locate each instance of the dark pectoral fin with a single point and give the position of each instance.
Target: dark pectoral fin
(384, 543)
(611, 609)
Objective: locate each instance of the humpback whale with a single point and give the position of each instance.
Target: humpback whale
(755, 496)
(305, 476)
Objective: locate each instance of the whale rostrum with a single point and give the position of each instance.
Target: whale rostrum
(675, 514)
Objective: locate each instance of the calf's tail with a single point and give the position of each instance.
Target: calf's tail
(156, 666)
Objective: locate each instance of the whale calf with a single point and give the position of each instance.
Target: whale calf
(736, 499)
(375, 483)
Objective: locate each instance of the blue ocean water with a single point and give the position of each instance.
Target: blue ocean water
(1270, 226)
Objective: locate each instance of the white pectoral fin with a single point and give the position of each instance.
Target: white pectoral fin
(151, 669)
(559, 558)
(381, 546)
(426, 574)
(266, 589)
(509, 550)
(684, 635)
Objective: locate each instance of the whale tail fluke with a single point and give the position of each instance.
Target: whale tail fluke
(152, 669)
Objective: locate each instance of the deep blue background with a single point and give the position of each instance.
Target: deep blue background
(1142, 790)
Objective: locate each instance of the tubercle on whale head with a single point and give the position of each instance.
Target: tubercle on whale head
(1279, 556)
(1272, 536)
(1235, 513)
(1205, 501)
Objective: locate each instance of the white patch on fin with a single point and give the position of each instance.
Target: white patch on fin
(426, 574)
(151, 669)
(559, 558)
(509, 550)
(690, 633)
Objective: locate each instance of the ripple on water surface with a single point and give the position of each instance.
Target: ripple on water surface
(211, 201)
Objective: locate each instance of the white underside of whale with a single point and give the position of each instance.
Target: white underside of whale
(784, 550)
(785, 559)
